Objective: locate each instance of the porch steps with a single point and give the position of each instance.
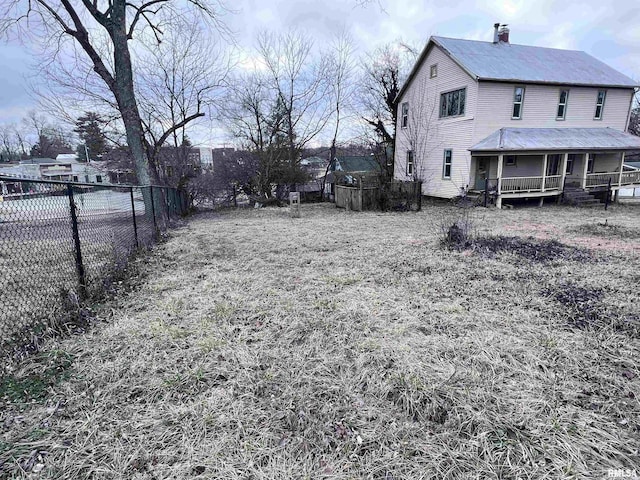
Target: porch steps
(579, 197)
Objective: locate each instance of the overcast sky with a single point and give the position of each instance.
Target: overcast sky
(608, 30)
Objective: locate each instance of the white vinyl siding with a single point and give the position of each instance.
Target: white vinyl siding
(455, 133)
(495, 102)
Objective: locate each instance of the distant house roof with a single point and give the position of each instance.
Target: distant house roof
(506, 62)
(39, 161)
(366, 163)
(544, 139)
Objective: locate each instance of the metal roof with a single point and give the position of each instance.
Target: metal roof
(543, 139)
(366, 163)
(504, 61)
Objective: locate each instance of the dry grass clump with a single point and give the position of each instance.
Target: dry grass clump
(335, 346)
(607, 229)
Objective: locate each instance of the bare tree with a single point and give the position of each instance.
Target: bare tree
(178, 81)
(384, 72)
(121, 20)
(300, 83)
(342, 88)
(254, 116)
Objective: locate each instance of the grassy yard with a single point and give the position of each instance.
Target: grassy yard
(347, 345)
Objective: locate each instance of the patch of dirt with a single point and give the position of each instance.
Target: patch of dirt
(584, 307)
(535, 250)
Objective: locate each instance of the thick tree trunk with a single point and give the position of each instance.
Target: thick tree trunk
(126, 99)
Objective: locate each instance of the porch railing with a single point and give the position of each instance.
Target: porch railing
(630, 178)
(602, 179)
(530, 184)
(552, 182)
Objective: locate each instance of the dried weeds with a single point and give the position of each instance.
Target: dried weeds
(337, 346)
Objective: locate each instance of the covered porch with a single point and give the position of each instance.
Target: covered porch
(520, 170)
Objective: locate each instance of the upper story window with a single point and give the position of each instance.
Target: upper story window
(452, 103)
(446, 164)
(562, 105)
(409, 162)
(433, 72)
(518, 100)
(600, 104)
(405, 115)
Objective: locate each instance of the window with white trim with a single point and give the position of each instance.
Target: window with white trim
(98, 178)
(602, 94)
(510, 161)
(518, 100)
(405, 115)
(452, 103)
(433, 72)
(562, 105)
(591, 158)
(410, 163)
(447, 163)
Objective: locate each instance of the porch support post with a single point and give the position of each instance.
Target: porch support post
(563, 169)
(499, 174)
(585, 167)
(621, 166)
(544, 171)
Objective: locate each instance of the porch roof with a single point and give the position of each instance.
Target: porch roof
(557, 139)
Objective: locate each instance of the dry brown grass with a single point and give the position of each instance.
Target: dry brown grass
(347, 345)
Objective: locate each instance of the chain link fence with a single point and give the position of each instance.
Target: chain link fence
(63, 243)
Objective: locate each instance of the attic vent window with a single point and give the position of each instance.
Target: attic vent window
(433, 73)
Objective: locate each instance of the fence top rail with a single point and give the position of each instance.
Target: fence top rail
(603, 173)
(5, 178)
(522, 178)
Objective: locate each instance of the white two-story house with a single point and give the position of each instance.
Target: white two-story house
(517, 120)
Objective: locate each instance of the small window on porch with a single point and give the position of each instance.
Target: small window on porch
(446, 167)
(562, 105)
(482, 164)
(409, 162)
(591, 157)
(510, 161)
(571, 160)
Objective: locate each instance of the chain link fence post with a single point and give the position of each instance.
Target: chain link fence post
(82, 285)
(133, 213)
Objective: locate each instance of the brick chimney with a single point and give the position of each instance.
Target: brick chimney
(495, 32)
(503, 34)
